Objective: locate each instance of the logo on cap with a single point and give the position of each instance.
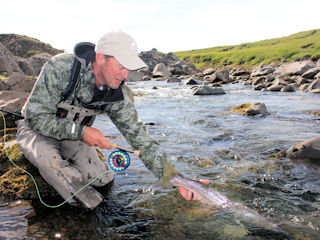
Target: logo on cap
(134, 47)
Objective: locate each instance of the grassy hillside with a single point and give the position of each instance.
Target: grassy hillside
(302, 45)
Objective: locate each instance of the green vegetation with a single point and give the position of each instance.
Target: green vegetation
(3, 77)
(299, 46)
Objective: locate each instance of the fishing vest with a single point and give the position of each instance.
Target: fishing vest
(84, 115)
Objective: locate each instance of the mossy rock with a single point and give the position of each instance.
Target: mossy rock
(241, 109)
(16, 183)
(251, 109)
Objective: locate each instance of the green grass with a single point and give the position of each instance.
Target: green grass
(299, 46)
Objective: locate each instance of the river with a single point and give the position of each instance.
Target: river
(203, 139)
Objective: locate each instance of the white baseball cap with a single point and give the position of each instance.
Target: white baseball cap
(123, 47)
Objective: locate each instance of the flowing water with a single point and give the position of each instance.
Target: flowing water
(204, 140)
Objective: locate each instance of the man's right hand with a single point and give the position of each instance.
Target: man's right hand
(94, 137)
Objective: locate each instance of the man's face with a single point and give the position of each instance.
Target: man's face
(113, 73)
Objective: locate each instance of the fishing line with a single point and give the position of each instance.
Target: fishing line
(35, 184)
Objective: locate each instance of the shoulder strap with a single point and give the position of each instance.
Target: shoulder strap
(74, 77)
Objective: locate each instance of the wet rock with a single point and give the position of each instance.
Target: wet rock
(173, 80)
(307, 149)
(250, 109)
(206, 90)
(275, 88)
(304, 87)
(288, 88)
(259, 86)
(192, 81)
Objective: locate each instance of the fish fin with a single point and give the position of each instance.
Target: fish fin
(168, 171)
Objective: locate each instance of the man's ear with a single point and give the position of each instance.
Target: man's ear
(100, 59)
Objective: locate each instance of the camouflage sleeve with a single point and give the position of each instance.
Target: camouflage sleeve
(125, 117)
(41, 106)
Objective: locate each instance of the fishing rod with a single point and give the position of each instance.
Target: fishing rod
(18, 116)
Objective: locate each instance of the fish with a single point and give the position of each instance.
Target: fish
(205, 193)
(212, 198)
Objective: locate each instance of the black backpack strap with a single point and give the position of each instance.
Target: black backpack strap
(74, 77)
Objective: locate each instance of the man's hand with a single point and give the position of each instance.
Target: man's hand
(94, 137)
(189, 195)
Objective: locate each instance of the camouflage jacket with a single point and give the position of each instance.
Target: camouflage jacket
(41, 107)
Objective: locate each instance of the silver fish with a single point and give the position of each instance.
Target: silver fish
(213, 198)
(205, 193)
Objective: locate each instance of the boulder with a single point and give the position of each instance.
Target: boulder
(251, 109)
(275, 87)
(37, 61)
(161, 70)
(206, 90)
(12, 101)
(238, 73)
(192, 81)
(262, 70)
(209, 71)
(135, 76)
(258, 81)
(173, 80)
(5, 67)
(174, 65)
(20, 82)
(294, 68)
(314, 86)
(7, 62)
(288, 88)
(308, 149)
(311, 73)
(304, 87)
(259, 86)
(26, 66)
(219, 76)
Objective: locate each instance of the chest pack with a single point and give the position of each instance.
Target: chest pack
(86, 113)
(80, 115)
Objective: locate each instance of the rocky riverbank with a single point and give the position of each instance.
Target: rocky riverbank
(20, 66)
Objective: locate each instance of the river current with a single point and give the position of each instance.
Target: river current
(203, 139)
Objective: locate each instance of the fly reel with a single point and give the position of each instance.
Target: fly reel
(119, 160)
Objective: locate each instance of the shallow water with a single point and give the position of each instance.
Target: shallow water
(203, 139)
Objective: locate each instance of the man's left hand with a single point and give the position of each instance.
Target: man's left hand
(189, 195)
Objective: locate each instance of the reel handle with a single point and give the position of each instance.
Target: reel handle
(138, 153)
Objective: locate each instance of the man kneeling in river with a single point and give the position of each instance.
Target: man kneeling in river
(56, 134)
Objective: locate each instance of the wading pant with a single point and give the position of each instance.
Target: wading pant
(66, 165)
